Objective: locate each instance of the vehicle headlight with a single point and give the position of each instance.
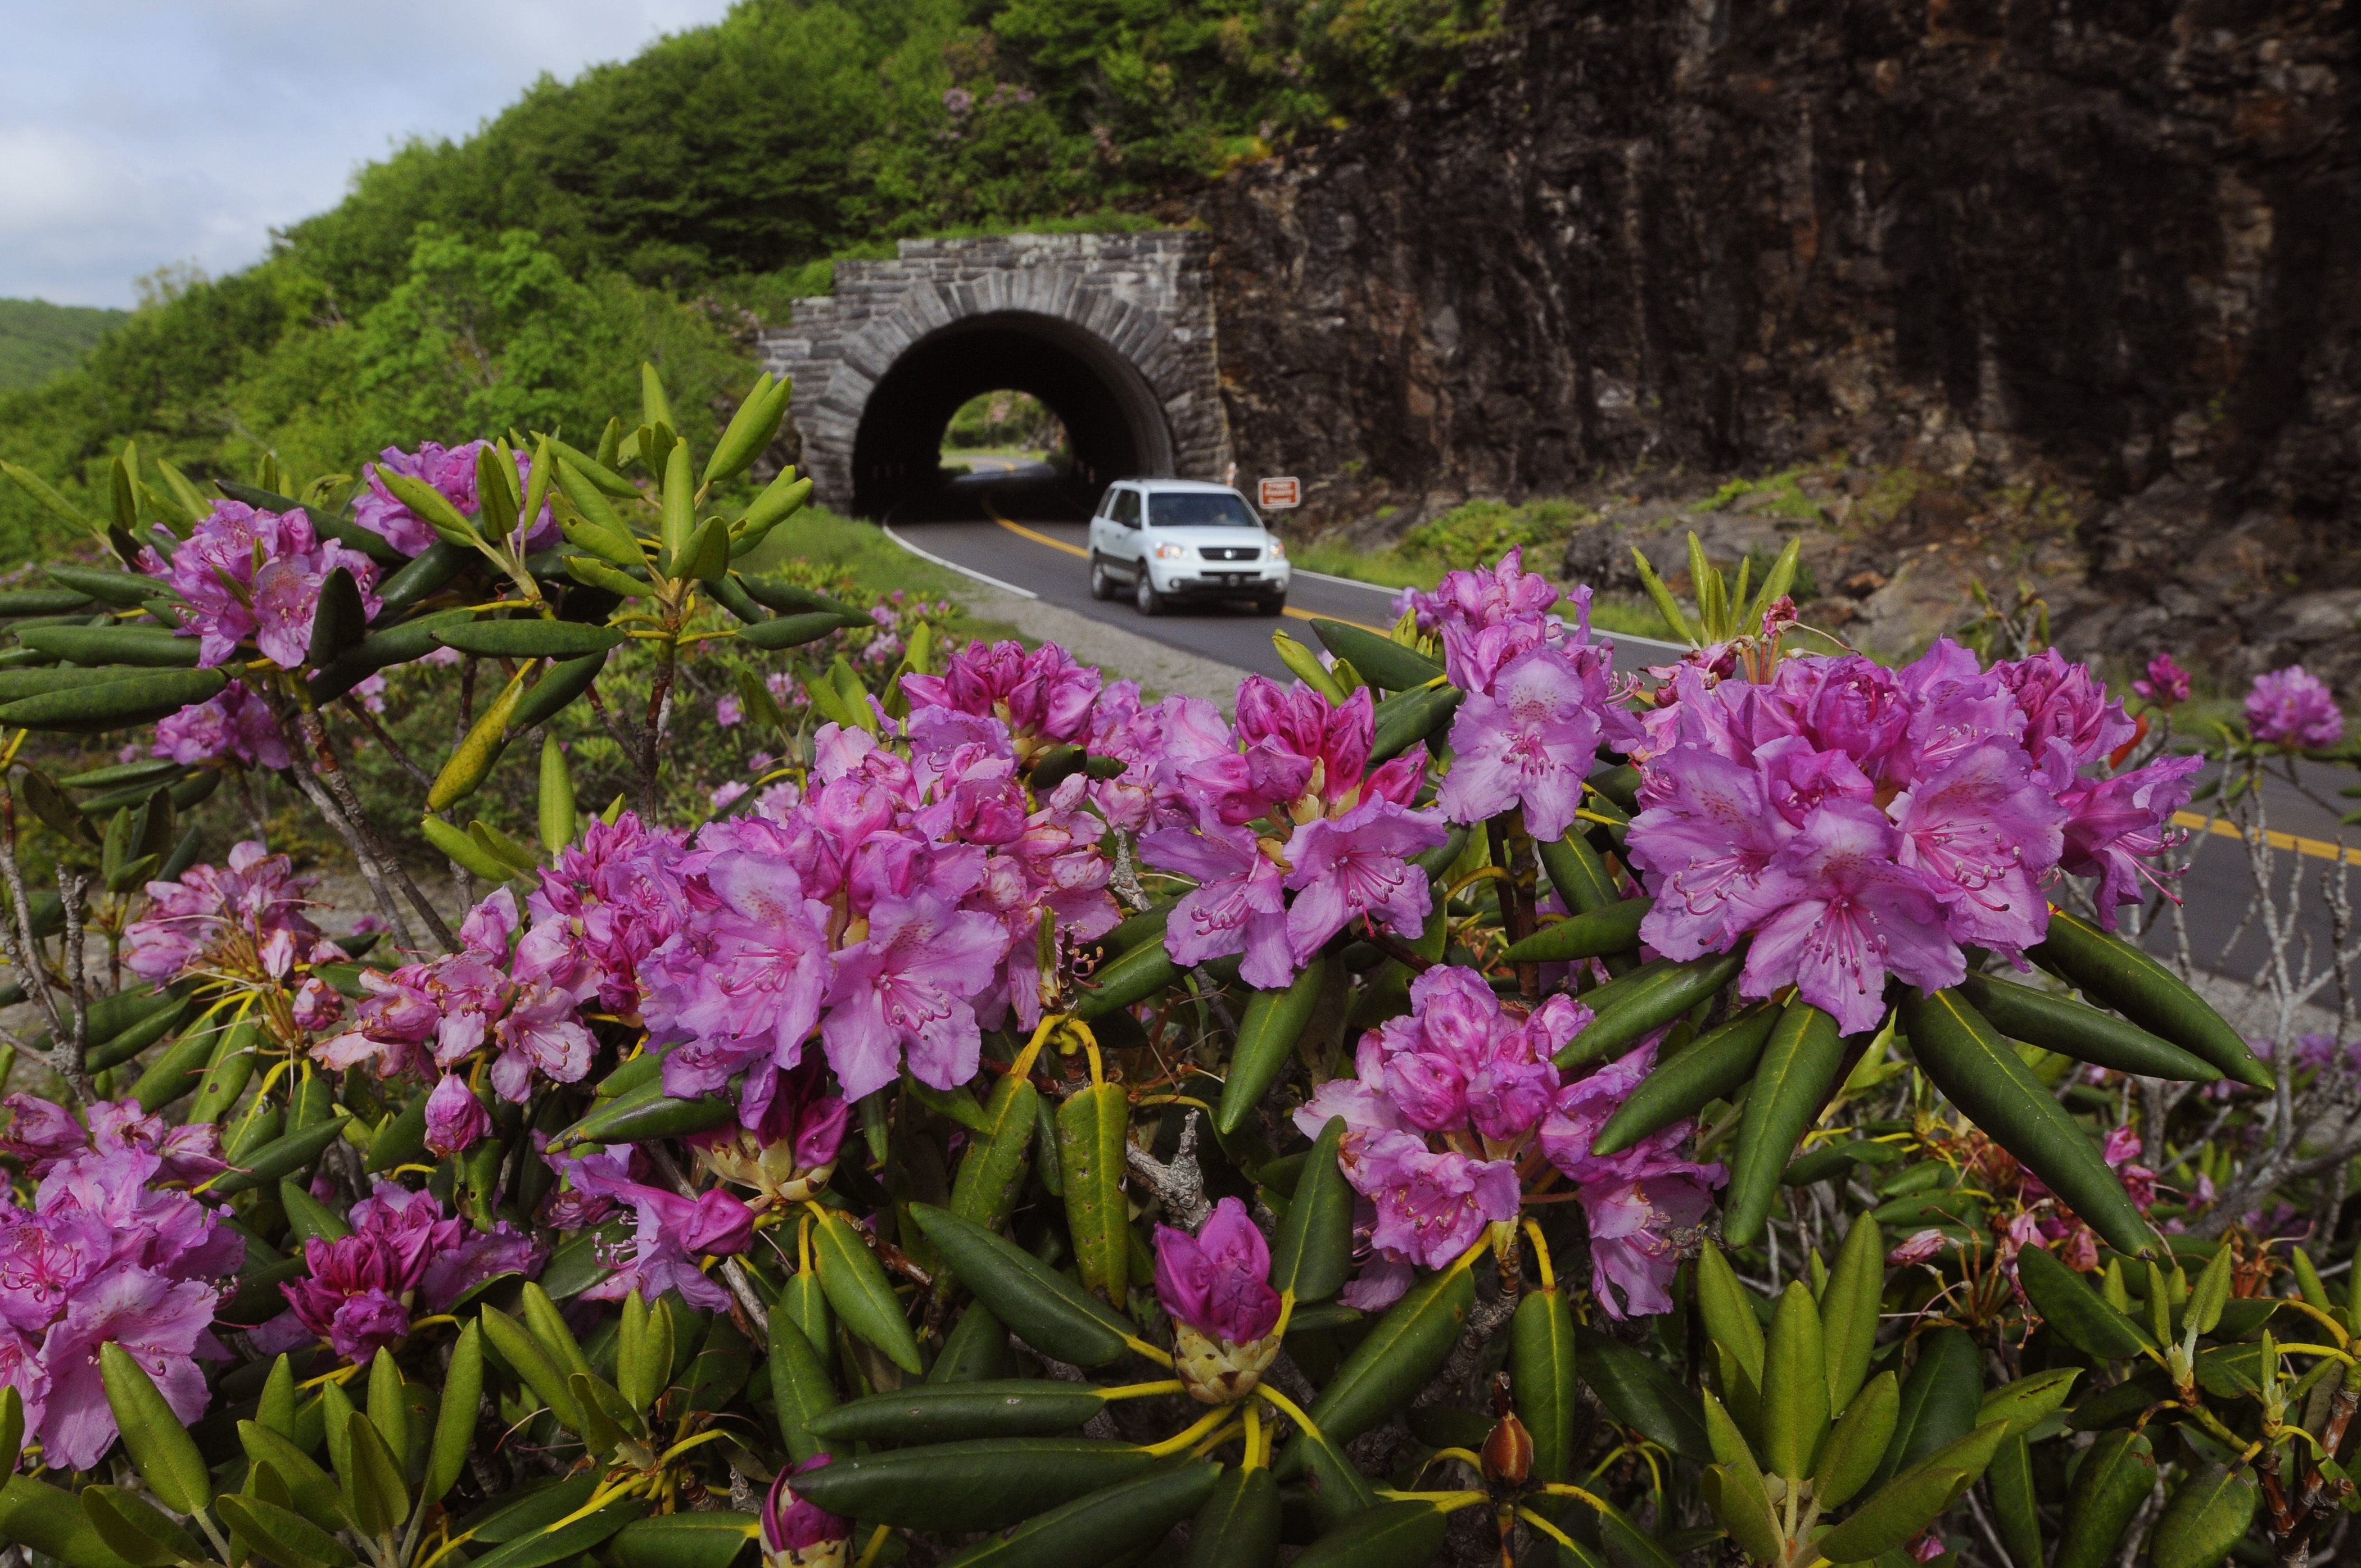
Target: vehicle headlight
(1172, 552)
(1278, 549)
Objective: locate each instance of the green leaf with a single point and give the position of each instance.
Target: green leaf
(313, 1492)
(2109, 970)
(528, 639)
(1580, 877)
(455, 1421)
(2116, 1475)
(647, 1112)
(1644, 1001)
(706, 554)
(943, 1412)
(1273, 1022)
(1899, 1511)
(387, 1410)
(1614, 929)
(790, 630)
(1392, 1362)
(1858, 1443)
(1800, 1065)
(2208, 1515)
(533, 1364)
(1040, 1305)
(1984, 1075)
(986, 1485)
(1939, 1400)
(1238, 1525)
(1405, 718)
(136, 1531)
(1729, 1309)
(858, 1290)
(1382, 660)
(543, 1321)
(1092, 1126)
(682, 1540)
(2079, 1314)
(1640, 1393)
(2016, 1511)
(1849, 1310)
(161, 1447)
(992, 1171)
(52, 1522)
(801, 1390)
(750, 430)
(1390, 1535)
(12, 1428)
(1313, 1250)
(287, 1539)
(281, 1157)
(1666, 605)
(1735, 1492)
(2076, 1029)
(2027, 1402)
(1132, 978)
(539, 1550)
(380, 1500)
(119, 702)
(1127, 1517)
(1795, 1385)
(2209, 1295)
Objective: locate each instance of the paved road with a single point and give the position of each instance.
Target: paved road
(1011, 523)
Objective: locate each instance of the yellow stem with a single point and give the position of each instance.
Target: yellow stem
(1461, 1455)
(1444, 1502)
(1141, 1390)
(1549, 1529)
(447, 1548)
(1161, 1357)
(676, 1450)
(1254, 1460)
(1542, 1252)
(1288, 1407)
(1561, 1489)
(599, 1500)
(876, 1544)
(1175, 1443)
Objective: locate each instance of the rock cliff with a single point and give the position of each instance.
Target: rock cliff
(2086, 268)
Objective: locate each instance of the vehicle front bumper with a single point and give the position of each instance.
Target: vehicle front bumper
(1216, 579)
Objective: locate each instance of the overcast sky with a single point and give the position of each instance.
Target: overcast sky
(135, 133)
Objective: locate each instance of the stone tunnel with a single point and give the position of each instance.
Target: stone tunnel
(1114, 333)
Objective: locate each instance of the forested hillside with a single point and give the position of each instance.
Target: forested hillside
(38, 339)
(642, 211)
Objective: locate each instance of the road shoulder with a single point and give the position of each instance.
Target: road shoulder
(1159, 670)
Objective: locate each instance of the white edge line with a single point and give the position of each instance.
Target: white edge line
(963, 571)
(1345, 582)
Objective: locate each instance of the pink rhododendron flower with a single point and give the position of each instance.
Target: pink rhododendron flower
(2293, 709)
(451, 471)
(1044, 697)
(235, 724)
(2165, 684)
(455, 1119)
(236, 917)
(1218, 1281)
(248, 574)
(797, 1533)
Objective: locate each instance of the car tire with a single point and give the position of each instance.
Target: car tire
(1102, 581)
(1271, 604)
(1145, 597)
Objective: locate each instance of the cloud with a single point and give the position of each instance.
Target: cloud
(140, 132)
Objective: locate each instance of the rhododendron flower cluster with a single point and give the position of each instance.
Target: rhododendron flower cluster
(106, 1253)
(1856, 822)
(244, 919)
(1216, 1285)
(247, 574)
(405, 1251)
(2293, 708)
(1342, 834)
(451, 471)
(670, 1232)
(1441, 1109)
(2165, 684)
(236, 724)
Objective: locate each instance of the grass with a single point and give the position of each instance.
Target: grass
(828, 544)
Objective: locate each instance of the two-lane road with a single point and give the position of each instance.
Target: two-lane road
(1011, 524)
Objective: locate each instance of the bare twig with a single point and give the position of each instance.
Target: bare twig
(70, 1055)
(1180, 1186)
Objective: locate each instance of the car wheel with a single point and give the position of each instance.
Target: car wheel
(1101, 583)
(1145, 597)
(1273, 604)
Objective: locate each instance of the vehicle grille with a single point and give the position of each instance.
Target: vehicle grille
(1221, 552)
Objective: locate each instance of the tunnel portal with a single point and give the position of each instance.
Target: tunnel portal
(1114, 333)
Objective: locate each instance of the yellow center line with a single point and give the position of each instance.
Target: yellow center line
(2316, 848)
(1022, 532)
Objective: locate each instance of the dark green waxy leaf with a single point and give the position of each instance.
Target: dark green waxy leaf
(1336, 1491)
(1133, 977)
(341, 622)
(281, 1156)
(2110, 970)
(1541, 1369)
(1857, 1444)
(1896, 1513)
(1273, 1022)
(1614, 929)
(976, 1352)
(802, 1393)
(372, 1478)
(426, 574)
(1129, 1517)
(992, 1171)
(53, 1522)
(1400, 1352)
(1983, 1075)
(2016, 1511)
(93, 646)
(124, 590)
(1040, 1305)
(1795, 1385)
(455, 1421)
(110, 1017)
(286, 1538)
(1798, 1066)
(42, 682)
(986, 1484)
(647, 1112)
(1092, 1125)
(1580, 877)
(1640, 1393)
(858, 1292)
(682, 1540)
(793, 598)
(534, 639)
(56, 601)
(572, 1540)
(1238, 1525)
(2076, 1029)
(138, 1532)
(115, 704)
(2208, 1515)
(791, 631)
(161, 1447)
(1407, 717)
(558, 685)
(1729, 1309)
(1644, 1001)
(1849, 1310)
(530, 1509)
(401, 1140)
(1709, 1069)
(307, 1216)
(1313, 1249)
(943, 1412)
(1390, 1535)
(531, 1363)
(2116, 1475)
(1383, 662)
(1939, 1400)
(2027, 1402)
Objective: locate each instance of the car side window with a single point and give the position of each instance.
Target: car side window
(1126, 508)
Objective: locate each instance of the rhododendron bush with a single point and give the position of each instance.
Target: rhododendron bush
(1467, 1103)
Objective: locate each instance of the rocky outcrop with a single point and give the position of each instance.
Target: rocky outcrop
(2097, 249)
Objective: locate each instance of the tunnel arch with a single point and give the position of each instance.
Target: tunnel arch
(1114, 331)
(1114, 422)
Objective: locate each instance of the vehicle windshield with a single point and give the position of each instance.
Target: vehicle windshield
(1201, 509)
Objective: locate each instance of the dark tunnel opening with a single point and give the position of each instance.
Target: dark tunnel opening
(1115, 425)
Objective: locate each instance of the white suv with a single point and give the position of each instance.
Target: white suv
(1183, 539)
